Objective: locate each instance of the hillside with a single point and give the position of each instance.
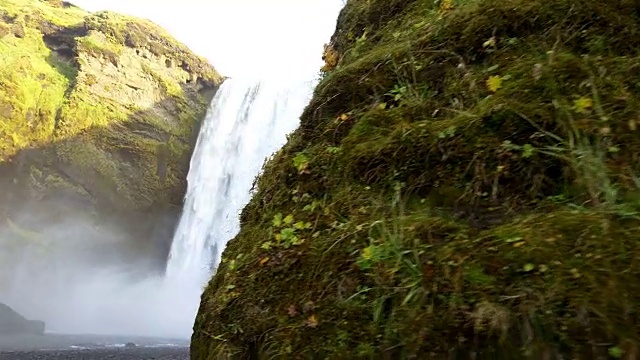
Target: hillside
(98, 117)
(464, 184)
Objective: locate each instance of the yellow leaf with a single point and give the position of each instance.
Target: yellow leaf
(289, 219)
(344, 117)
(264, 261)
(576, 273)
(367, 253)
(494, 83)
(583, 104)
(312, 321)
(446, 5)
(491, 42)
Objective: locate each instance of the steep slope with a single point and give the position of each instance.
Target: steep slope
(464, 184)
(98, 117)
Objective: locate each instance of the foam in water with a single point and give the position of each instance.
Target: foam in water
(246, 123)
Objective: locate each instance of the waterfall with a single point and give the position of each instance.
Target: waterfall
(246, 123)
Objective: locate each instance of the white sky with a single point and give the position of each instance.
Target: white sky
(243, 38)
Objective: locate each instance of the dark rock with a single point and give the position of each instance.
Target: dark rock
(18, 30)
(12, 323)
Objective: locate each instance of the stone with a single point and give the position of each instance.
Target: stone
(18, 30)
(12, 323)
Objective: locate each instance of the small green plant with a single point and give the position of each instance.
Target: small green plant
(334, 149)
(286, 232)
(616, 352)
(527, 150)
(360, 42)
(313, 206)
(447, 133)
(398, 96)
(369, 256)
(397, 92)
(301, 162)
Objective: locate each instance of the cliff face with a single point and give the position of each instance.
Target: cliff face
(98, 117)
(464, 184)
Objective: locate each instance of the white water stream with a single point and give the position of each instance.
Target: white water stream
(247, 123)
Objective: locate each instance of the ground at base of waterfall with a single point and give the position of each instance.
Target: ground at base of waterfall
(92, 347)
(162, 353)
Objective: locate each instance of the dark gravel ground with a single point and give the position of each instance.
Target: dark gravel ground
(173, 353)
(91, 347)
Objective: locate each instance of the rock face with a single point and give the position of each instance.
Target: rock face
(98, 117)
(12, 323)
(463, 185)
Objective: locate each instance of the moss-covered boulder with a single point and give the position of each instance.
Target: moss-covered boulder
(99, 110)
(464, 184)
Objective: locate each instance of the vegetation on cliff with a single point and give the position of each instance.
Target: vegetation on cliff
(98, 108)
(99, 90)
(464, 184)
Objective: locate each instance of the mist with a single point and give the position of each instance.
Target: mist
(83, 275)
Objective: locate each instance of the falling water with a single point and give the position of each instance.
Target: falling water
(247, 122)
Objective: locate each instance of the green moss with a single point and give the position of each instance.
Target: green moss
(138, 33)
(471, 174)
(40, 10)
(168, 85)
(33, 91)
(96, 44)
(42, 183)
(80, 112)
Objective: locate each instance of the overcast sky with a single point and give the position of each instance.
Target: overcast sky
(248, 38)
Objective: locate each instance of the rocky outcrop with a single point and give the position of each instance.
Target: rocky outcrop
(98, 117)
(12, 323)
(464, 185)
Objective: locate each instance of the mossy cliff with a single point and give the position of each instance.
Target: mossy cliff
(464, 184)
(96, 109)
